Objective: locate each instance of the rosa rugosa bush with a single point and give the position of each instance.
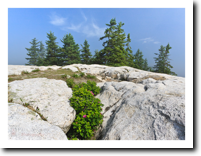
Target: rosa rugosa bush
(88, 111)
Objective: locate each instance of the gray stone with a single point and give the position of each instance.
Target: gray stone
(25, 124)
(49, 96)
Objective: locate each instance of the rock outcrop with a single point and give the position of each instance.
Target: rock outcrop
(138, 105)
(50, 97)
(25, 124)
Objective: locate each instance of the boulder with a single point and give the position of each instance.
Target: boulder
(151, 110)
(25, 124)
(50, 97)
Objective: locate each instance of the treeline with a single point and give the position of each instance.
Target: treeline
(116, 52)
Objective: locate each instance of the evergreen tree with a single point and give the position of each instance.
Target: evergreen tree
(108, 44)
(114, 52)
(52, 49)
(145, 66)
(86, 54)
(139, 61)
(69, 53)
(119, 54)
(159, 67)
(32, 52)
(41, 55)
(97, 58)
(130, 57)
(162, 61)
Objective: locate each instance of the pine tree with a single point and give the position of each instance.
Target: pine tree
(41, 55)
(108, 44)
(119, 54)
(97, 58)
(52, 50)
(162, 61)
(114, 52)
(139, 61)
(86, 54)
(130, 57)
(70, 51)
(32, 52)
(145, 66)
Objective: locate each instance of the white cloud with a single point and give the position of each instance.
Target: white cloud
(83, 15)
(156, 42)
(148, 39)
(92, 30)
(75, 27)
(56, 20)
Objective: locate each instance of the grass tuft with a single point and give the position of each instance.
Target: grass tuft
(36, 70)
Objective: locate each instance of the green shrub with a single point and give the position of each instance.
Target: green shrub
(36, 70)
(24, 72)
(88, 112)
(10, 79)
(70, 83)
(75, 76)
(90, 85)
(82, 74)
(91, 76)
(64, 76)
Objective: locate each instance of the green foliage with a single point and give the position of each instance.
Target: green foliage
(75, 76)
(85, 53)
(36, 70)
(139, 61)
(70, 83)
(32, 52)
(24, 72)
(82, 74)
(162, 61)
(64, 76)
(52, 50)
(69, 53)
(88, 111)
(145, 65)
(90, 76)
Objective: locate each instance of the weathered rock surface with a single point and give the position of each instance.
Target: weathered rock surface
(149, 110)
(17, 69)
(49, 96)
(143, 106)
(25, 124)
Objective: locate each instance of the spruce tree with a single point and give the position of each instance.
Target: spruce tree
(41, 54)
(52, 50)
(139, 61)
(145, 66)
(70, 51)
(85, 53)
(108, 44)
(32, 52)
(97, 58)
(119, 54)
(162, 61)
(130, 57)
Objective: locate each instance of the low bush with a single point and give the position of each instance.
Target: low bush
(82, 74)
(36, 70)
(88, 111)
(90, 76)
(64, 76)
(70, 83)
(24, 72)
(75, 76)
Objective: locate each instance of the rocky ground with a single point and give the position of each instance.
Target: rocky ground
(138, 105)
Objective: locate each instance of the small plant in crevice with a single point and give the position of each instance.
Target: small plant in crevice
(88, 111)
(24, 72)
(75, 76)
(90, 76)
(36, 70)
(64, 76)
(82, 74)
(70, 83)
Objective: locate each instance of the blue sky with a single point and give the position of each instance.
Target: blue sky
(149, 29)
